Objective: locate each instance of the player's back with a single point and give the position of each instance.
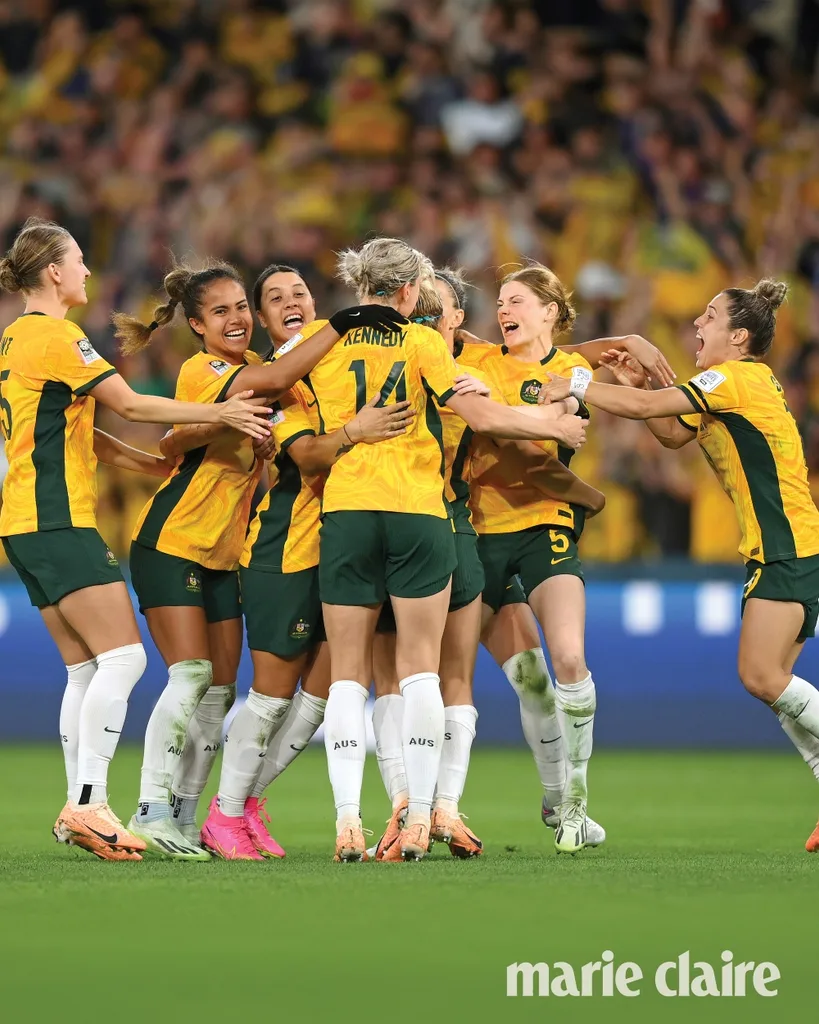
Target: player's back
(402, 474)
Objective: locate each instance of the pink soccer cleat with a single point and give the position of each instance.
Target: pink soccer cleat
(228, 838)
(255, 818)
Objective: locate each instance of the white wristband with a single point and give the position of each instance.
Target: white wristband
(581, 378)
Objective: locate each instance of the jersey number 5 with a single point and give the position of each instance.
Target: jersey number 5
(5, 419)
(396, 381)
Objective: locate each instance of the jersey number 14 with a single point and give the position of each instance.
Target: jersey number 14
(396, 381)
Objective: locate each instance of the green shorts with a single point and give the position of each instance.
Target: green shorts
(467, 582)
(366, 556)
(167, 581)
(793, 579)
(282, 611)
(514, 593)
(55, 563)
(535, 555)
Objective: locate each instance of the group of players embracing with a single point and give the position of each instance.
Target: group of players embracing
(418, 502)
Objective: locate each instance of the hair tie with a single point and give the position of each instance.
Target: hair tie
(381, 293)
(423, 319)
(152, 326)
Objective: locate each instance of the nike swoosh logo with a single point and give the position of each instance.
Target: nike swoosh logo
(311, 404)
(117, 731)
(566, 558)
(551, 741)
(580, 725)
(105, 839)
(297, 749)
(355, 314)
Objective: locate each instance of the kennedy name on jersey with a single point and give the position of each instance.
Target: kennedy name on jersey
(374, 336)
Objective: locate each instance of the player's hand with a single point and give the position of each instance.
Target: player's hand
(555, 390)
(466, 338)
(466, 384)
(651, 359)
(625, 369)
(385, 318)
(264, 448)
(378, 423)
(570, 431)
(241, 414)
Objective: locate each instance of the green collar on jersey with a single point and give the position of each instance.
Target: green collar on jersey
(543, 361)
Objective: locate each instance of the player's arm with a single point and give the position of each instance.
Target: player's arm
(113, 452)
(630, 403)
(557, 481)
(502, 421)
(237, 412)
(647, 355)
(273, 379)
(374, 423)
(180, 440)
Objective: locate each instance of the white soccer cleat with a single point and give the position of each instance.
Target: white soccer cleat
(595, 833)
(164, 839)
(191, 833)
(572, 834)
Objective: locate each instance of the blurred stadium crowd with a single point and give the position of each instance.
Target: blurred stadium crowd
(650, 151)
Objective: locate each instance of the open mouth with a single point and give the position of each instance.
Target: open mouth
(509, 326)
(293, 322)
(236, 335)
(701, 342)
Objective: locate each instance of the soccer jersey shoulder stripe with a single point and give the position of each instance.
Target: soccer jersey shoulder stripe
(85, 388)
(759, 465)
(168, 497)
(48, 456)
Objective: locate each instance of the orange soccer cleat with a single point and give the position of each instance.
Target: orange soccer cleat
(350, 843)
(450, 829)
(95, 828)
(812, 845)
(412, 844)
(394, 826)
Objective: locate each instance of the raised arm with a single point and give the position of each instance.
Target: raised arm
(647, 355)
(630, 403)
(273, 379)
(113, 452)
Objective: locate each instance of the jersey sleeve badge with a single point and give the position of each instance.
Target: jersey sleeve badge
(87, 352)
(709, 380)
(219, 366)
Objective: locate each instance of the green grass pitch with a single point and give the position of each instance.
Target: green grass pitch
(705, 853)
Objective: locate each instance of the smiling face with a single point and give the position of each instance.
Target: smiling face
(70, 275)
(716, 342)
(285, 307)
(521, 314)
(226, 322)
(453, 316)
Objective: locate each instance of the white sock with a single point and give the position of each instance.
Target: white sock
(805, 743)
(800, 701)
(245, 743)
(79, 678)
(166, 734)
(388, 715)
(202, 744)
(422, 736)
(530, 679)
(298, 727)
(345, 741)
(575, 710)
(102, 717)
(459, 732)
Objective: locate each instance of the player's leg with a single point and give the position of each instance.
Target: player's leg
(351, 582)
(459, 649)
(552, 577)
(74, 570)
(420, 561)
(805, 743)
(388, 718)
(513, 640)
(170, 591)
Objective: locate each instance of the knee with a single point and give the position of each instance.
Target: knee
(569, 666)
(759, 680)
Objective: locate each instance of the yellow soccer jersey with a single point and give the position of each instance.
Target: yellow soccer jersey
(201, 511)
(47, 368)
(284, 533)
(457, 454)
(406, 473)
(751, 440)
(501, 502)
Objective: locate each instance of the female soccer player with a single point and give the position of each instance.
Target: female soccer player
(279, 576)
(751, 440)
(188, 538)
(50, 377)
(386, 532)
